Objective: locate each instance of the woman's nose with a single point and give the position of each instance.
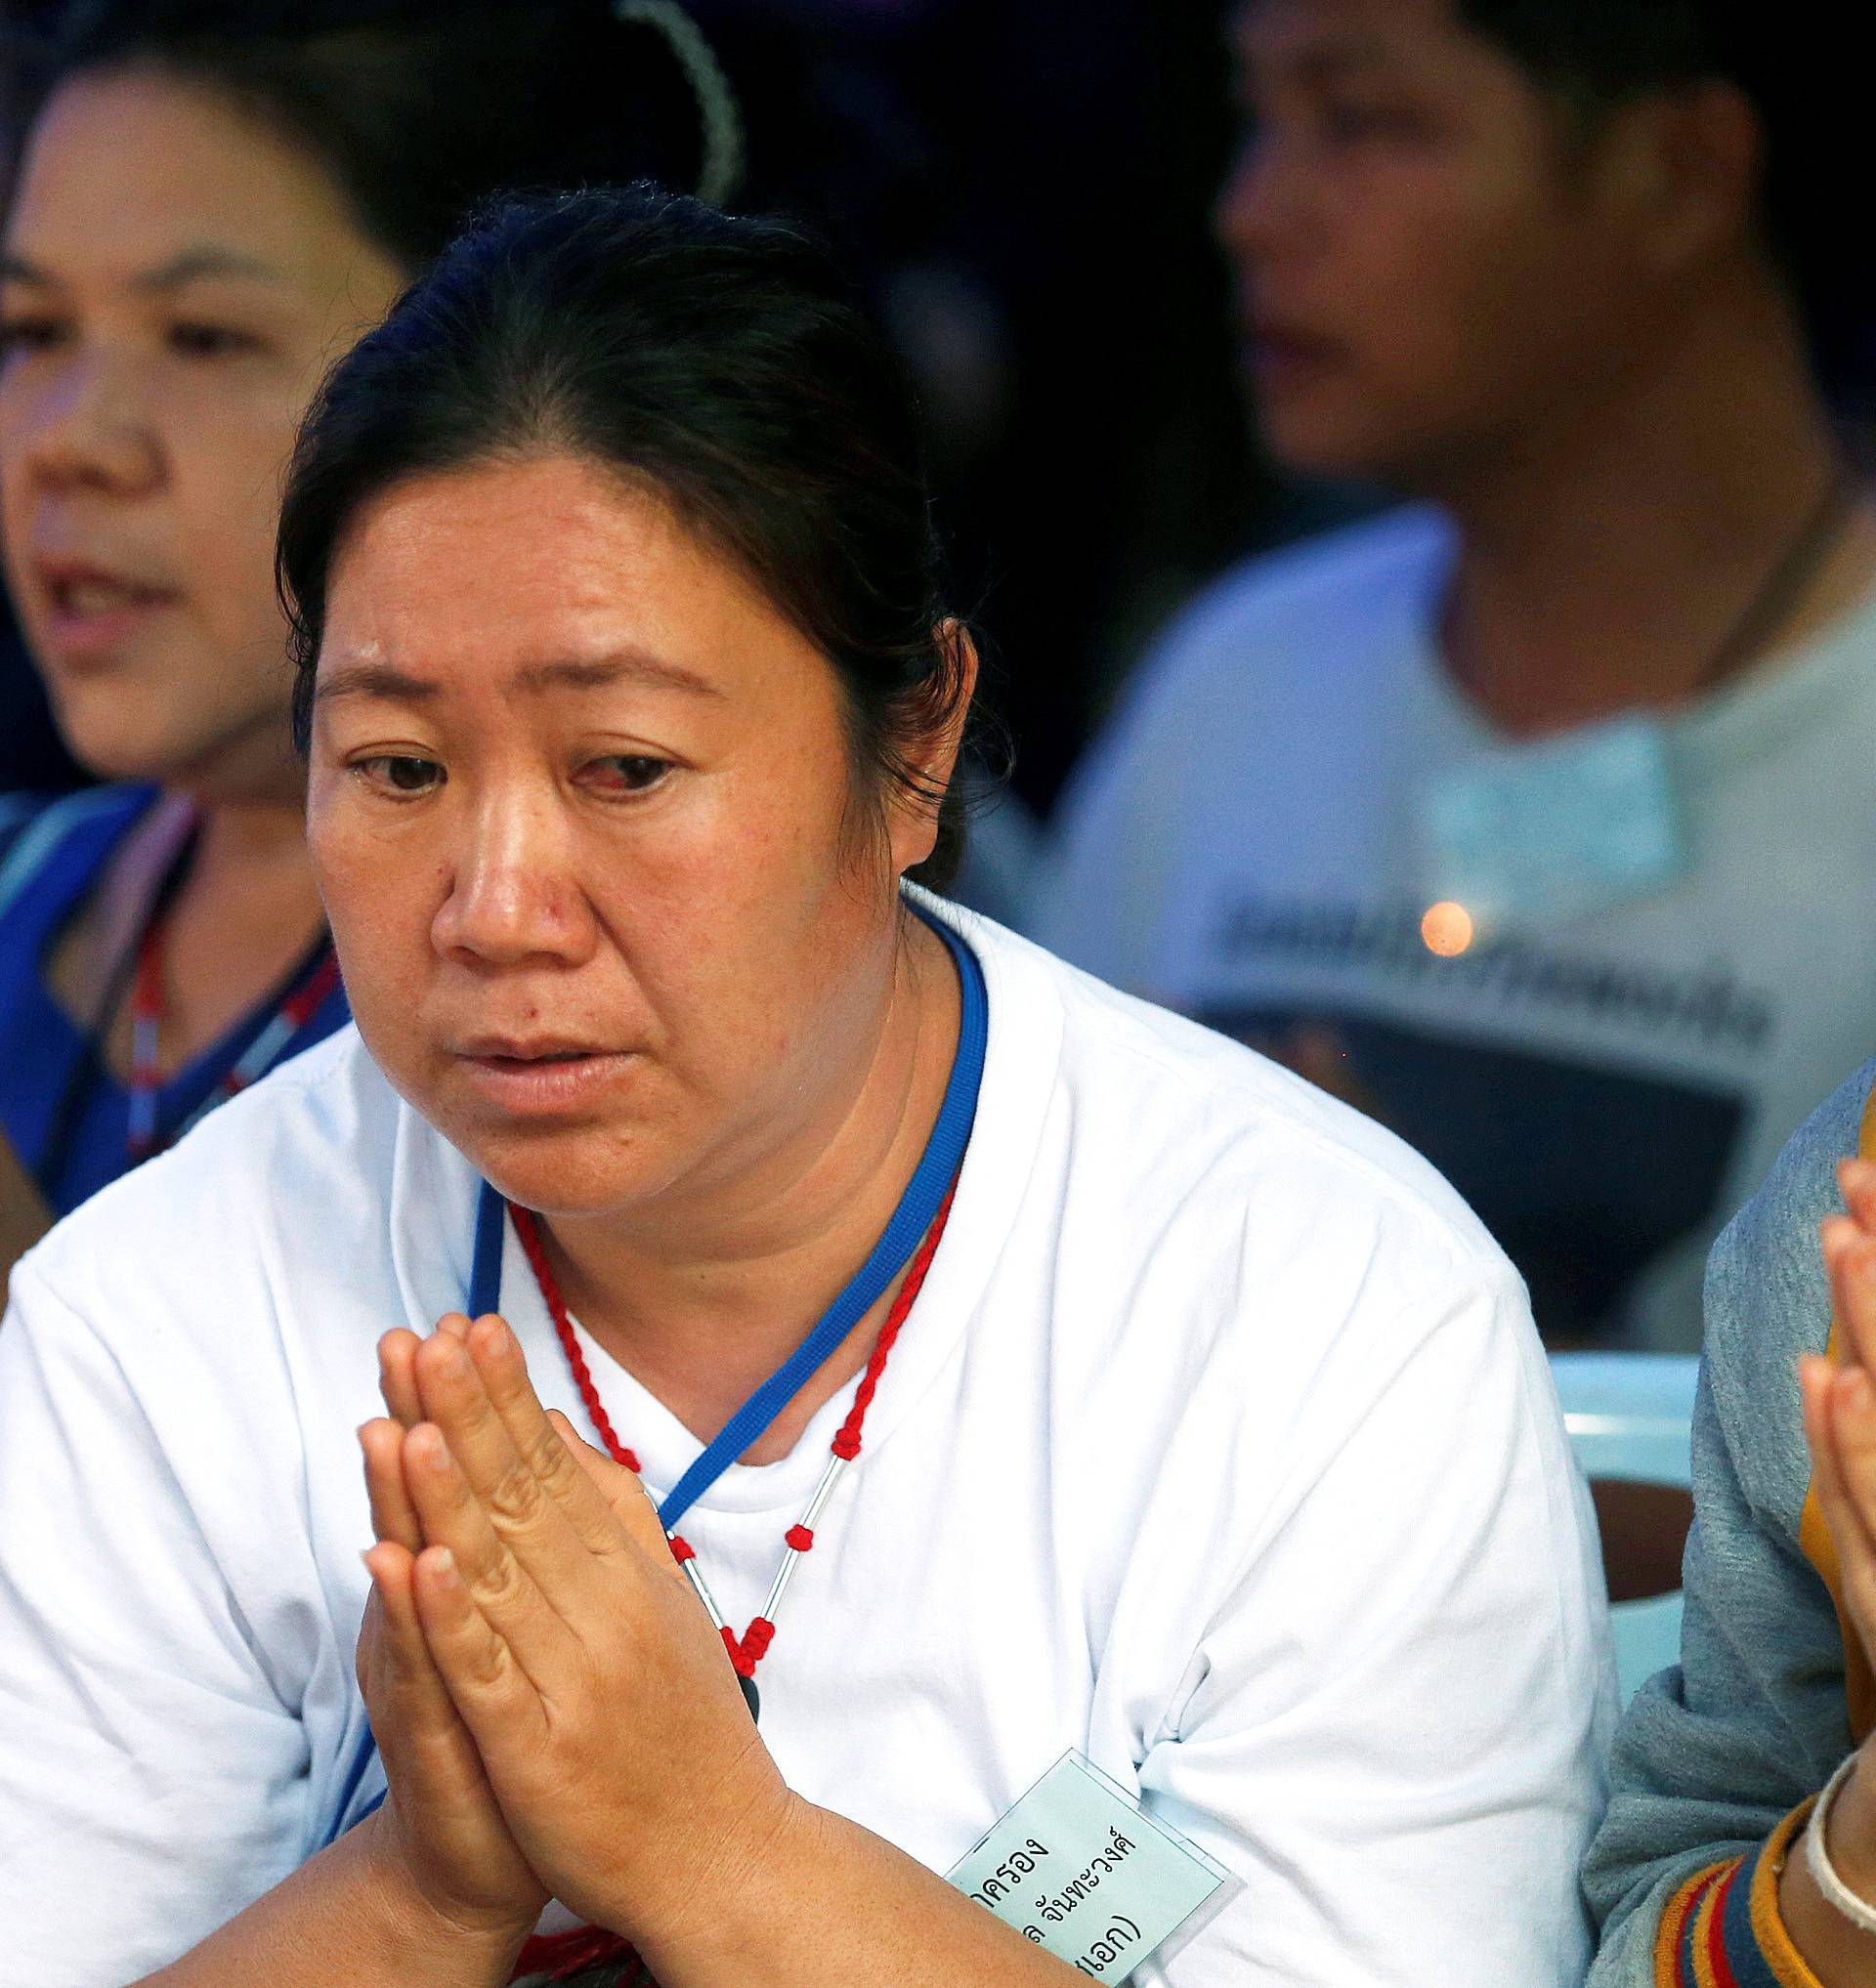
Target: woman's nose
(514, 893)
(1260, 207)
(89, 425)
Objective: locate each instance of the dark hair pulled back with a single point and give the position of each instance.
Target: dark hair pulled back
(418, 110)
(722, 362)
(1602, 53)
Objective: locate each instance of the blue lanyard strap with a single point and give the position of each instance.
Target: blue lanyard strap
(484, 1266)
(918, 1208)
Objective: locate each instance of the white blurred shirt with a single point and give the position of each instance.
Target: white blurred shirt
(1218, 1446)
(1604, 1085)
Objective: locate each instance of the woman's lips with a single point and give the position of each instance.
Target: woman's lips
(563, 1082)
(89, 615)
(1281, 357)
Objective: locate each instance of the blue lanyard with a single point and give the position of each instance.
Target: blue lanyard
(918, 1208)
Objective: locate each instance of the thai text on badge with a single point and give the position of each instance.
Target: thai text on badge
(1082, 1869)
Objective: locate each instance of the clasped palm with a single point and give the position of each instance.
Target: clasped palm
(555, 1711)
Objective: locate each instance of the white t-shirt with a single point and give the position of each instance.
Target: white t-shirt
(1250, 844)
(1218, 1446)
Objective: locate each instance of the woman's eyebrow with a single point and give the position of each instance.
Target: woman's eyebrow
(386, 679)
(627, 666)
(187, 265)
(373, 680)
(193, 265)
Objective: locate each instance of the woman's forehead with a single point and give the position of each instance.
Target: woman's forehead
(548, 572)
(138, 178)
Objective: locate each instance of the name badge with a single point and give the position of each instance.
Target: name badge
(1082, 1869)
(1554, 830)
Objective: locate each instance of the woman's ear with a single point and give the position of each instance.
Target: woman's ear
(930, 759)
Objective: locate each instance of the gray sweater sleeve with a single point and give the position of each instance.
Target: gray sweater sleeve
(1716, 1752)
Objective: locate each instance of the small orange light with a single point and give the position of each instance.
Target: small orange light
(1447, 929)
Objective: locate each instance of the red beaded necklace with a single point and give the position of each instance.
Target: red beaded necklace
(559, 1954)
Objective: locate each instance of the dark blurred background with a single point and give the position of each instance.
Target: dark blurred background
(1026, 189)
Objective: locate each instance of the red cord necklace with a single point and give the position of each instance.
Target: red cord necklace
(560, 1955)
(747, 1650)
(303, 1001)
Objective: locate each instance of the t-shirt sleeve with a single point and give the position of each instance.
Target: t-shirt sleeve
(1718, 1755)
(1396, 1722)
(153, 1773)
(1101, 881)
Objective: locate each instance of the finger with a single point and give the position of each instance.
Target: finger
(394, 1517)
(412, 1713)
(368, 1658)
(1837, 1234)
(1815, 1374)
(626, 1498)
(396, 1367)
(397, 1375)
(1857, 1180)
(537, 1442)
(1851, 1402)
(1850, 1528)
(532, 1524)
(501, 1587)
(431, 1760)
(405, 1677)
(1851, 1264)
(486, 1681)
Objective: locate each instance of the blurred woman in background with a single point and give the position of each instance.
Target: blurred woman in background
(209, 205)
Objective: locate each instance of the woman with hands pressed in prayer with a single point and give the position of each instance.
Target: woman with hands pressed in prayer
(899, 1364)
(1740, 1846)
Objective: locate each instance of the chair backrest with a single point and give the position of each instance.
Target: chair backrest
(1629, 1417)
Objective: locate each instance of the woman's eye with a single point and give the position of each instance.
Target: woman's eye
(399, 773)
(1355, 123)
(628, 773)
(28, 334)
(209, 341)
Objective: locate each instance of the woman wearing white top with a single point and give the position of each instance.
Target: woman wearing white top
(1217, 1446)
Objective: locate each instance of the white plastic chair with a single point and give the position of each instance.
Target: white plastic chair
(1629, 1417)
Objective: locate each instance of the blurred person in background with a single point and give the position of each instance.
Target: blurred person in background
(210, 204)
(1537, 817)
